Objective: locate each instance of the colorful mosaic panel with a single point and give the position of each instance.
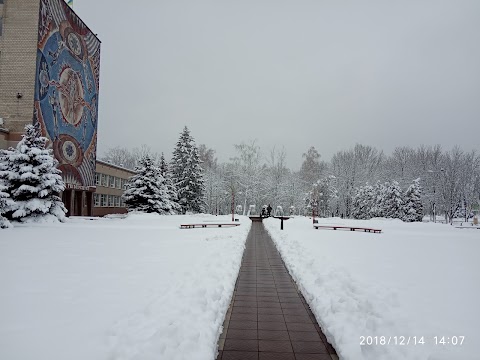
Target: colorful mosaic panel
(66, 90)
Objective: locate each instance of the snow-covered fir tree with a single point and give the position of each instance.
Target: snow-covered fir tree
(370, 200)
(393, 201)
(31, 178)
(5, 204)
(413, 207)
(361, 208)
(171, 189)
(146, 190)
(377, 203)
(5, 201)
(187, 174)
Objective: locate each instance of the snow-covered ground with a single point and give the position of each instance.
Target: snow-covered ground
(135, 288)
(414, 279)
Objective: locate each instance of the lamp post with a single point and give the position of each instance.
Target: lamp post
(233, 206)
(434, 203)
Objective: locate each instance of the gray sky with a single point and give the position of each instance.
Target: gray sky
(295, 73)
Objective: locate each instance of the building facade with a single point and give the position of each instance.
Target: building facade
(49, 74)
(110, 183)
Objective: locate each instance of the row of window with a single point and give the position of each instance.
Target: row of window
(111, 181)
(103, 200)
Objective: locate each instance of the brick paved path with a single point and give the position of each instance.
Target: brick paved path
(268, 318)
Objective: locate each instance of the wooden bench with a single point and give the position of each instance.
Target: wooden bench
(352, 228)
(192, 226)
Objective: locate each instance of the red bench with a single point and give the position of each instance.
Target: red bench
(352, 228)
(192, 226)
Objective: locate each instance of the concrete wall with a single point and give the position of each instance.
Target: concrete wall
(18, 52)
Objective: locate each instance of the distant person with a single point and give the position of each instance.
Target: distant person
(264, 211)
(269, 210)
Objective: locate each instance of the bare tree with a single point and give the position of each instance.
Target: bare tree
(120, 156)
(451, 185)
(207, 157)
(128, 159)
(352, 169)
(249, 173)
(278, 192)
(312, 168)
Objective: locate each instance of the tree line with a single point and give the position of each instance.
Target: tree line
(447, 182)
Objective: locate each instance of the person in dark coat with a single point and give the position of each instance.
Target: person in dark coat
(269, 210)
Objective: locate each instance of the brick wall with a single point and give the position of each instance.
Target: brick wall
(18, 51)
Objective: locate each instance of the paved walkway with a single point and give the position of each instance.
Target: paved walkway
(268, 318)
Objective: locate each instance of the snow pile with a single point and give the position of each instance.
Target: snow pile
(134, 288)
(414, 279)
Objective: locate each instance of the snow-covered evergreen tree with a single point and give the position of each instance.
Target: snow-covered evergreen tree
(146, 190)
(360, 209)
(5, 201)
(187, 174)
(171, 189)
(393, 201)
(413, 207)
(31, 178)
(378, 196)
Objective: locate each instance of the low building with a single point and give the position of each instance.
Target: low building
(110, 183)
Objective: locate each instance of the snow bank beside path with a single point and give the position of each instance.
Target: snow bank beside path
(414, 279)
(134, 288)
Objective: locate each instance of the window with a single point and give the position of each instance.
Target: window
(110, 200)
(117, 201)
(124, 184)
(97, 200)
(104, 180)
(118, 183)
(122, 202)
(112, 181)
(97, 178)
(103, 200)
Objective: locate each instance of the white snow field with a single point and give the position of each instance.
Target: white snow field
(135, 288)
(414, 279)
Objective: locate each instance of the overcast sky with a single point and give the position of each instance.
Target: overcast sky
(295, 73)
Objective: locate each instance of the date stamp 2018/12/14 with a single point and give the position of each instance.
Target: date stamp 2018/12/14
(412, 340)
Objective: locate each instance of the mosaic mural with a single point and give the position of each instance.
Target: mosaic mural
(66, 90)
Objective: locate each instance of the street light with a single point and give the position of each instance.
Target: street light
(434, 205)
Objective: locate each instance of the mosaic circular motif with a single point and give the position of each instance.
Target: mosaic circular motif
(71, 96)
(68, 150)
(74, 43)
